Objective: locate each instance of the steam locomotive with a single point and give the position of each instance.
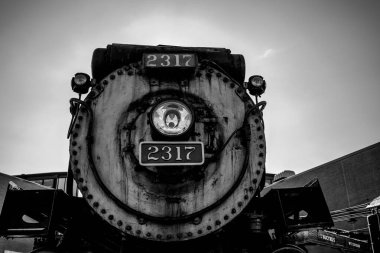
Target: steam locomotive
(168, 150)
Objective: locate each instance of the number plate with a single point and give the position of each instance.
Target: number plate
(169, 60)
(156, 153)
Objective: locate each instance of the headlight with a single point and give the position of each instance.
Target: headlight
(172, 118)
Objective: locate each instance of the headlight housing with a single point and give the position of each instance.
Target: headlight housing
(172, 118)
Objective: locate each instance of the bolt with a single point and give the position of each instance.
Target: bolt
(254, 181)
(128, 228)
(112, 77)
(110, 217)
(120, 223)
(196, 221)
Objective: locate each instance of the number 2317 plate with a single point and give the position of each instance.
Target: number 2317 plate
(156, 153)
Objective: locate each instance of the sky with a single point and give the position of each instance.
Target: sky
(321, 61)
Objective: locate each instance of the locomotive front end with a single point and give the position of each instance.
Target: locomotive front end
(167, 145)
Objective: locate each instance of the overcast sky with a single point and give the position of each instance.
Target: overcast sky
(321, 61)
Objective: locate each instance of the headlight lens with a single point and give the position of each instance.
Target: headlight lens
(172, 118)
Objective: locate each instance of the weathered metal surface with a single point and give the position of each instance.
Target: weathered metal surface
(168, 204)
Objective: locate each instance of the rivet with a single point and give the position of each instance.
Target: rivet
(245, 197)
(200, 231)
(254, 181)
(210, 70)
(84, 188)
(233, 210)
(258, 172)
(112, 77)
(77, 171)
(148, 234)
(218, 74)
(128, 228)
(217, 222)
(260, 163)
(232, 85)
(138, 232)
(130, 72)
(75, 135)
(225, 79)
(169, 237)
(189, 234)
(75, 162)
(256, 121)
(159, 236)
(261, 137)
(141, 221)
(179, 235)
(208, 227)
(103, 211)
(96, 204)
(105, 82)
(81, 180)
(119, 223)
(251, 189)
(110, 217)
(225, 217)
(240, 204)
(80, 117)
(258, 129)
(74, 143)
(261, 154)
(196, 221)
(261, 146)
(119, 72)
(75, 152)
(239, 90)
